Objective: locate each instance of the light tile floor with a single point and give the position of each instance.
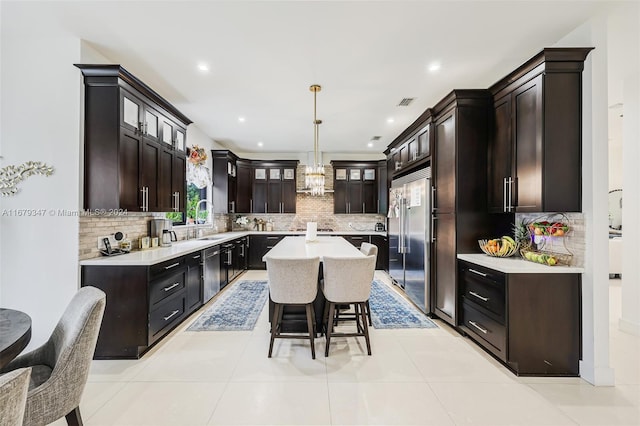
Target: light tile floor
(418, 376)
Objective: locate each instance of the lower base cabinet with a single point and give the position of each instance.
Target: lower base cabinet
(144, 303)
(531, 322)
(259, 245)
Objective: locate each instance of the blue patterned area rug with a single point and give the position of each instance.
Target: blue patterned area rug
(390, 310)
(237, 308)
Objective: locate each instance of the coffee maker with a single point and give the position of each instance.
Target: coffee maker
(162, 229)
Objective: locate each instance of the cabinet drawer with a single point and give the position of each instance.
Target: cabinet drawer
(488, 330)
(484, 293)
(169, 265)
(166, 286)
(167, 314)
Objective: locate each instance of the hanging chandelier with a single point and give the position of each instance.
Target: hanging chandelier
(314, 175)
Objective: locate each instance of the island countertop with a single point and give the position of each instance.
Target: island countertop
(517, 265)
(299, 248)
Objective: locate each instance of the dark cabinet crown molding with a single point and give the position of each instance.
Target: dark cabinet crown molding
(464, 97)
(116, 71)
(551, 59)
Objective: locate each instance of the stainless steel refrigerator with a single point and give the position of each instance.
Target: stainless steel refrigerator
(409, 235)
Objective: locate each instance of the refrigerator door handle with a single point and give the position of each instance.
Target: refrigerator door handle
(433, 228)
(433, 199)
(402, 219)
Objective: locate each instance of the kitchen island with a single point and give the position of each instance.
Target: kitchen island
(294, 317)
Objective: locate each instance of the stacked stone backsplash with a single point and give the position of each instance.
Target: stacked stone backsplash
(134, 226)
(574, 242)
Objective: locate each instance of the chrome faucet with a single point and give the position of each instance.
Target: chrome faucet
(195, 220)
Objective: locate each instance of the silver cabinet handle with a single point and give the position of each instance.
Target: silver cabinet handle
(484, 299)
(233, 206)
(251, 205)
(145, 199)
(196, 257)
(265, 207)
(242, 250)
(510, 181)
(504, 194)
(477, 272)
(172, 265)
(363, 209)
(272, 238)
(174, 285)
(171, 315)
(477, 326)
(229, 258)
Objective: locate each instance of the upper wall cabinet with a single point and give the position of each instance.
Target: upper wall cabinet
(534, 155)
(224, 181)
(413, 147)
(130, 160)
(274, 187)
(355, 186)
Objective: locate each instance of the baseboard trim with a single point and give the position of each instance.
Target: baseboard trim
(602, 376)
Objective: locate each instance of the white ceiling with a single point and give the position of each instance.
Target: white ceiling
(263, 55)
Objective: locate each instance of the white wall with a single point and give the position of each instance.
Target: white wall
(40, 112)
(595, 364)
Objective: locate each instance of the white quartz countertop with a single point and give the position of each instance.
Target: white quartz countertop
(517, 265)
(299, 248)
(181, 248)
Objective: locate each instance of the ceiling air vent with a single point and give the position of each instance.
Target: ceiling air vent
(406, 101)
(376, 138)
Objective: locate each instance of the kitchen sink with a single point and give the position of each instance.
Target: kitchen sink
(210, 238)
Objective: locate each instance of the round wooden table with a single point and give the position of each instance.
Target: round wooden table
(15, 333)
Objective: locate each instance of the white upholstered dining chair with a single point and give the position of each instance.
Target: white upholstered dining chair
(293, 282)
(347, 281)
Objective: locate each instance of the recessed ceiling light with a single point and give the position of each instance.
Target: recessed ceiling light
(434, 66)
(390, 120)
(370, 144)
(203, 67)
(260, 144)
(241, 119)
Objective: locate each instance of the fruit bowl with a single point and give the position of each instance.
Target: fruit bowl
(555, 229)
(545, 257)
(499, 247)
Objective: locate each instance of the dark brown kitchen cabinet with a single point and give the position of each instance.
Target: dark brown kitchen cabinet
(126, 164)
(224, 181)
(193, 296)
(259, 245)
(532, 325)
(244, 181)
(383, 188)
(412, 148)
(144, 303)
(274, 187)
(444, 267)
(460, 216)
(534, 155)
(355, 186)
(382, 242)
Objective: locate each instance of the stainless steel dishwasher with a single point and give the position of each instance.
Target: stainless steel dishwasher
(211, 273)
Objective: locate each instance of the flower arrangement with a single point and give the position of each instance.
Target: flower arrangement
(197, 155)
(242, 220)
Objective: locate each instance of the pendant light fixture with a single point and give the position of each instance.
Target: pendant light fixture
(314, 175)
